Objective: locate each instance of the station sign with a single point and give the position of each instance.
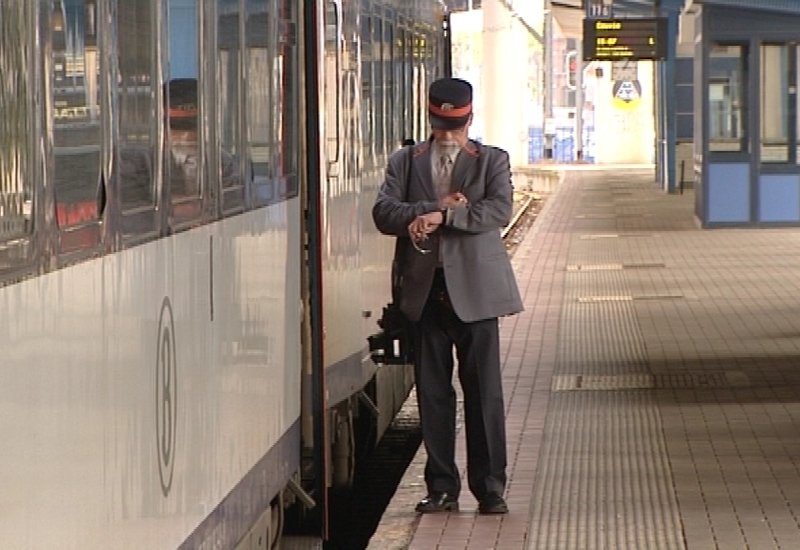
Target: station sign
(625, 39)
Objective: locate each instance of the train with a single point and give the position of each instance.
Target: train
(189, 272)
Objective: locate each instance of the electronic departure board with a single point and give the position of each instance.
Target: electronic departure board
(620, 39)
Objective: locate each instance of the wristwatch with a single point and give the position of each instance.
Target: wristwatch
(444, 212)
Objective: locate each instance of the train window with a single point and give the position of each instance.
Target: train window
(380, 86)
(137, 97)
(431, 66)
(75, 115)
(774, 84)
(271, 99)
(403, 85)
(726, 98)
(228, 93)
(393, 137)
(796, 51)
(17, 143)
(368, 84)
(263, 103)
(290, 92)
(332, 88)
(184, 146)
(420, 93)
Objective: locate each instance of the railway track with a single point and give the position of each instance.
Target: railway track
(527, 205)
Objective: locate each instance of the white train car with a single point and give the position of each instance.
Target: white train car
(188, 268)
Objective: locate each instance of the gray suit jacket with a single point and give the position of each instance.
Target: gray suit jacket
(476, 265)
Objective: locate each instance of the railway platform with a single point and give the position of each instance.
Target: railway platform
(652, 384)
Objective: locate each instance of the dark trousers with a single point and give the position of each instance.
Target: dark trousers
(478, 351)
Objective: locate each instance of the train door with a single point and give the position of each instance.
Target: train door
(341, 192)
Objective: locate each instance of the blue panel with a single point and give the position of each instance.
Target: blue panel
(728, 193)
(684, 70)
(684, 98)
(563, 144)
(535, 144)
(684, 126)
(779, 198)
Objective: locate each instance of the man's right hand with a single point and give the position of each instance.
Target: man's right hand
(452, 200)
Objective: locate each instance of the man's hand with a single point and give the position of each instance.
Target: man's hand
(424, 225)
(452, 200)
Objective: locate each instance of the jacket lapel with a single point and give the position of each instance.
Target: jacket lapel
(422, 171)
(465, 162)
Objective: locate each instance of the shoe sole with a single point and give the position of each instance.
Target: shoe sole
(445, 508)
(495, 512)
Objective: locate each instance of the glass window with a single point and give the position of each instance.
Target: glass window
(183, 152)
(379, 86)
(774, 84)
(419, 102)
(368, 115)
(289, 91)
(727, 129)
(393, 139)
(228, 93)
(76, 110)
(794, 87)
(137, 131)
(17, 38)
(271, 98)
(263, 104)
(332, 88)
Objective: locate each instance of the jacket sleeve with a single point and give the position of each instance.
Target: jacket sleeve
(393, 211)
(494, 210)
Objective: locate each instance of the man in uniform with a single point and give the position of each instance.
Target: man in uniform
(448, 200)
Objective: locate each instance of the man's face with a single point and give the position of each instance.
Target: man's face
(452, 138)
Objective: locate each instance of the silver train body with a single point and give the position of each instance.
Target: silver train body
(183, 322)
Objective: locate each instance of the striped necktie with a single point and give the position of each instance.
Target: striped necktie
(444, 174)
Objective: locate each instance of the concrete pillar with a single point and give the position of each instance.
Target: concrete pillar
(505, 75)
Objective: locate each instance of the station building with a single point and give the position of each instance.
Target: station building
(745, 60)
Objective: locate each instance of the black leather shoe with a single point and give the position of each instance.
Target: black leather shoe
(437, 502)
(492, 503)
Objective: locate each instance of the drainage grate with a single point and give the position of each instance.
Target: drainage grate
(616, 382)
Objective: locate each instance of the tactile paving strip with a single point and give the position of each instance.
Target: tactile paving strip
(604, 480)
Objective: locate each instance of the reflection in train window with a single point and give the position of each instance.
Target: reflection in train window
(16, 121)
(183, 151)
(137, 131)
(233, 197)
(289, 91)
(380, 85)
(368, 85)
(271, 98)
(76, 110)
(262, 103)
(393, 135)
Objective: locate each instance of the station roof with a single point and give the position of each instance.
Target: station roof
(783, 6)
(570, 13)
